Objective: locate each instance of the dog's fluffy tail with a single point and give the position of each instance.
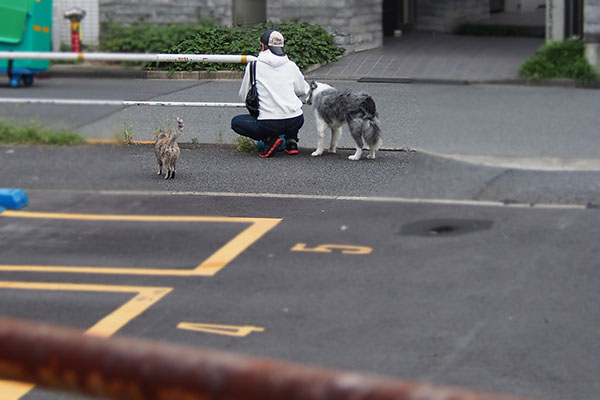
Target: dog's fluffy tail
(371, 130)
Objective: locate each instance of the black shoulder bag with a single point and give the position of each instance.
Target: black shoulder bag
(252, 96)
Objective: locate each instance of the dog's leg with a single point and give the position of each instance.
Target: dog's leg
(321, 127)
(356, 155)
(160, 165)
(336, 133)
(373, 149)
(355, 126)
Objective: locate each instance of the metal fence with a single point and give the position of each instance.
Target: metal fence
(126, 368)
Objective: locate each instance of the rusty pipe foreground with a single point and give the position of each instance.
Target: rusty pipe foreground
(127, 368)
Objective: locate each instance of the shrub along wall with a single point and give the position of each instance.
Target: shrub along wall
(305, 44)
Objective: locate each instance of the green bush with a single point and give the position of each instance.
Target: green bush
(144, 38)
(305, 44)
(11, 133)
(560, 59)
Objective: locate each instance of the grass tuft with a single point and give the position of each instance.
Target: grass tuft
(244, 144)
(560, 59)
(36, 133)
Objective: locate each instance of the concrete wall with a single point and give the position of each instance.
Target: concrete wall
(522, 5)
(164, 12)
(555, 20)
(444, 16)
(591, 28)
(356, 24)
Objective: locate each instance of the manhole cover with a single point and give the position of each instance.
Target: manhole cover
(445, 227)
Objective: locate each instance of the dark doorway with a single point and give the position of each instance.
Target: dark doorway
(496, 6)
(574, 18)
(398, 16)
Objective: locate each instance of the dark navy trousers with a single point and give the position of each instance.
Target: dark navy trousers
(262, 129)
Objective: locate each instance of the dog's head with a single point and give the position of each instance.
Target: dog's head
(313, 86)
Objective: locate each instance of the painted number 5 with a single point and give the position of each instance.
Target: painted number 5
(328, 248)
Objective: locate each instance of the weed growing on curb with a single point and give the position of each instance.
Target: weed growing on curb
(245, 145)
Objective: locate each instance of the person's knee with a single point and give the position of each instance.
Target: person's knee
(236, 123)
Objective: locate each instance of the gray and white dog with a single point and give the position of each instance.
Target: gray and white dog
(334, 108)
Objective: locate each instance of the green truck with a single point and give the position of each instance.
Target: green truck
(25, 25)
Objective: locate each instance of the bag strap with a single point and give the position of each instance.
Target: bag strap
(252, 73)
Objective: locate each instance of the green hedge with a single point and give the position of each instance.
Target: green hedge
(144, 38)
(305, 43)
(560, 59)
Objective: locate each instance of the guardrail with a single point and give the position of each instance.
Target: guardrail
(85, 102)
(126, 368)
(147, 57)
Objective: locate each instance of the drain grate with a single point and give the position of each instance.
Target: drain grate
(445, 227)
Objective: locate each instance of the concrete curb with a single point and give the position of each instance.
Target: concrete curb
(93, 71)
(195, 75)
(116, 71)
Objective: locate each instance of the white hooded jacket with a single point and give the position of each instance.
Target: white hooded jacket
(279, 83)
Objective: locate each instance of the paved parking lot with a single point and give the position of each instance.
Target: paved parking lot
(413, 290)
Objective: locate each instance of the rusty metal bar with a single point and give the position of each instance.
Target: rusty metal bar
(128, 368)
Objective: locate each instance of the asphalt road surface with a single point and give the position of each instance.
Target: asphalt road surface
(414, 265)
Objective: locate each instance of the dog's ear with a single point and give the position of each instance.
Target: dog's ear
(313, 85)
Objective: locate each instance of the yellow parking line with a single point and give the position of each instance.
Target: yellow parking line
(118, 141)
(145, 297)
(209, 267)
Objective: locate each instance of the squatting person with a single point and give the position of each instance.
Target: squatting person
(279, 83)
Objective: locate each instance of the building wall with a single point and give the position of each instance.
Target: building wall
(443, 15)
(164, 12)
(591, 28)
(355, 24)
(591, 22)
(523, 5)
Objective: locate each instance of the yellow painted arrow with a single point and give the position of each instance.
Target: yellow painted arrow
(229, 330)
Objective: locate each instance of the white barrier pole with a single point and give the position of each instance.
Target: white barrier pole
(147, 57)
(82, 102)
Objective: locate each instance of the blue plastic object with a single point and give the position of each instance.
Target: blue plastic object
(13, 198)
(283, 144)
(1, 209)
(25, 25)
(261, 145)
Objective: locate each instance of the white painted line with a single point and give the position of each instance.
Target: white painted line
(84, 102)
(383, 199)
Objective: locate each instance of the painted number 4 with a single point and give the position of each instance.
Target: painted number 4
(329, 248)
